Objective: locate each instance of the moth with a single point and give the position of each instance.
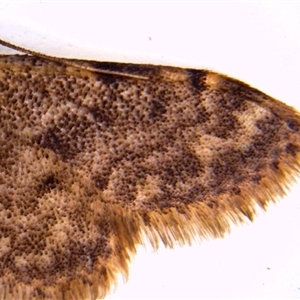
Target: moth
(95, 154)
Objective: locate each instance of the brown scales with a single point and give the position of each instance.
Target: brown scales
(89, 161)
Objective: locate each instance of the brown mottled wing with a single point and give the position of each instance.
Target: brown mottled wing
(88, 161)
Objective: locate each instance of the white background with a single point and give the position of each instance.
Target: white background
(258, 43)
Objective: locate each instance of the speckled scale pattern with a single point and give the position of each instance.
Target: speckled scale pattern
(87, 160)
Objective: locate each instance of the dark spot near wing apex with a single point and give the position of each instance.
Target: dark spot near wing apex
(197, 79)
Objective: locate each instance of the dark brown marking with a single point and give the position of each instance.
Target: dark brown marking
(89, 159)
